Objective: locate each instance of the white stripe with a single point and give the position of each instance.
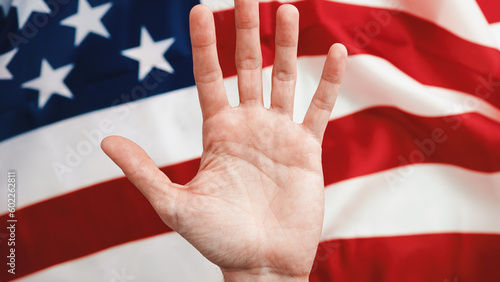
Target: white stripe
(166, 257)
(495, 31)
(372, 81)
(169, 126)
(431, 198)
(416, 199)
(464, 18)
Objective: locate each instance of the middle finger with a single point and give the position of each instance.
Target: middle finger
(248, 52)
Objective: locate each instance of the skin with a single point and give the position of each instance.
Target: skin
(256, 206)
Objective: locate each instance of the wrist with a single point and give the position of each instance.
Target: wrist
(262, 275)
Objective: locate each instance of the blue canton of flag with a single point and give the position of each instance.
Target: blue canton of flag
(61, 58)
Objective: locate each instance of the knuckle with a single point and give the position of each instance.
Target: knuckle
(286, 41)
(247, 24)
(332, 78)
(285, 75)
(249, 63)
(322, 103)
(140, 169)
(208, 76)
(203, 41)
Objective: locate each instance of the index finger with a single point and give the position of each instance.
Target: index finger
(206, 68)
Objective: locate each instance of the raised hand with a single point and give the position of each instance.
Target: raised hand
(255, 208)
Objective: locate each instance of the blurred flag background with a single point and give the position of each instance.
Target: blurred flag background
(411, 155)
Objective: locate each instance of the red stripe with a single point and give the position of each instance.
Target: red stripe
(380, 138)
(434, 257)
(430, 54)
(114, 212)
(491, 10)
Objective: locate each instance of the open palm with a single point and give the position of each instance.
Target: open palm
(256, 205)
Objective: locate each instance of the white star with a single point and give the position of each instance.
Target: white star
(87, 20)
(26, 7)
(4, 61)
(50, 82)
(150, 54)
(5, 4)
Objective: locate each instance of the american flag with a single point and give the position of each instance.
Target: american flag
(411, 155)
